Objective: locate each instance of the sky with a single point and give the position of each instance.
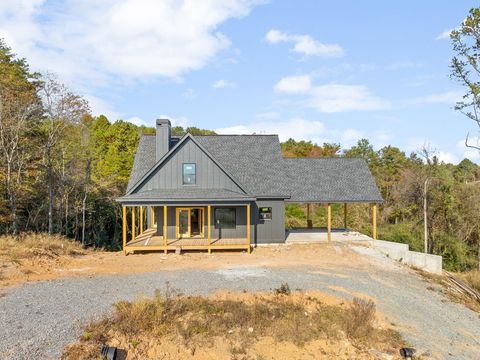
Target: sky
(325, 71)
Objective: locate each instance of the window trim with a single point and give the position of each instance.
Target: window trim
(260, 213)
(183, 174)
(217, 226)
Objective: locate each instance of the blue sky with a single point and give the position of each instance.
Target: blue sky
(333, 71)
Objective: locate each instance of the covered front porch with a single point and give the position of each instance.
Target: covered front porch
(180, 227)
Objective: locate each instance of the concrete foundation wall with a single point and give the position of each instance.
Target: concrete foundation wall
(401, 252)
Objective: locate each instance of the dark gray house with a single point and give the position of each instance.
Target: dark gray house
(228, 191)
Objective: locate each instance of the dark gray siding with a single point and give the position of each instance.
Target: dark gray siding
(262, 231)
(208, 174)
(269, 231)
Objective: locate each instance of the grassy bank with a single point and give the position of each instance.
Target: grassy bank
(238, 326)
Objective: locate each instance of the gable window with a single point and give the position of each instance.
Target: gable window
(225, 218)
(189, 174)
(265, 213)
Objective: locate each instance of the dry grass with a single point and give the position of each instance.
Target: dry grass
(195, 321)
(472, 278)
(34, 246)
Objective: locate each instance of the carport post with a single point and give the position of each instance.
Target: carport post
(329, 221)
(124, 229)
(248, 229)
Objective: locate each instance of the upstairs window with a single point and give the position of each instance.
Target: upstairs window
(189, 174)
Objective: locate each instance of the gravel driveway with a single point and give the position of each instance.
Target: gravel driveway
(39, 319)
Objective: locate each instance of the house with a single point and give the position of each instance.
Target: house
(228, 191)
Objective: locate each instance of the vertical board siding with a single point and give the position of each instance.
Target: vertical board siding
(269, 231)
(170, 174)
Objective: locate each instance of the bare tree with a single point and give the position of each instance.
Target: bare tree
(62, 108)
(18, 107)
(465, 68)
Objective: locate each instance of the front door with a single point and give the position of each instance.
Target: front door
(189, 222)
(183, 223)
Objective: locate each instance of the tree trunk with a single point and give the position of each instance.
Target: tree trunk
(50, 199)
(12, 200)
(83, 216)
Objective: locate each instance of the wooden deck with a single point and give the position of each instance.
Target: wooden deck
(148, 241)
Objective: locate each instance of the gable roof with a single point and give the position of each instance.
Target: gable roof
(141, 161)
(144, 160)
(331, 180)
(256, 164)
(255, 160)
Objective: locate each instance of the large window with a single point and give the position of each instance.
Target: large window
(189, 174)
(225, 218)
(265, 213)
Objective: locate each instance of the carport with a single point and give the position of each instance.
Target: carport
(328, 181)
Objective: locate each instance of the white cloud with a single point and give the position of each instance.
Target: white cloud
(470, 153)
(333, 98)
(296, 128)
(101, 107)
(222, 83)
(445, 34)
(137, 121)
(446, 157)
(131, 39)
(294, 84)
(448, 97)
(398, 65)
(305, 44)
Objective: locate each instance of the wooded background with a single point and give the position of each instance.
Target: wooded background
(62, 168)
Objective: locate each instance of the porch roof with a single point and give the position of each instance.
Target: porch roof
(186, 194)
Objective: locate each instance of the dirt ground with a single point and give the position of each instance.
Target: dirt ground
(104, 263)
(232, 345)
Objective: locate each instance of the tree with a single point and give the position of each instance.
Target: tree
(465, 68)
(19, 110)
(62, 108)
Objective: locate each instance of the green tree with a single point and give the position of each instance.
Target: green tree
(465, 68)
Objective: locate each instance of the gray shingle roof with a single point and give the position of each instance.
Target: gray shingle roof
(186, 194)
(144, 159)
(331, 180)
(254, 160)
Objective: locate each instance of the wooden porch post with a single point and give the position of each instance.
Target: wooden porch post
(374, 221)
(329, 221)
(345, 216)
(124, 230)
(208, 229)
(152, 221)
(165, 228)
(248, 228)
(133, 223)
(141, 220)
(309, 222)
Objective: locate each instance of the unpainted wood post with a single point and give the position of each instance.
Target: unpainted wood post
(133, 223)
(208, 229)
(374, 221)
(329, 222)
(124, 230)
(165, 228)
(248, 229)
(141, 220)
(345, 215)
